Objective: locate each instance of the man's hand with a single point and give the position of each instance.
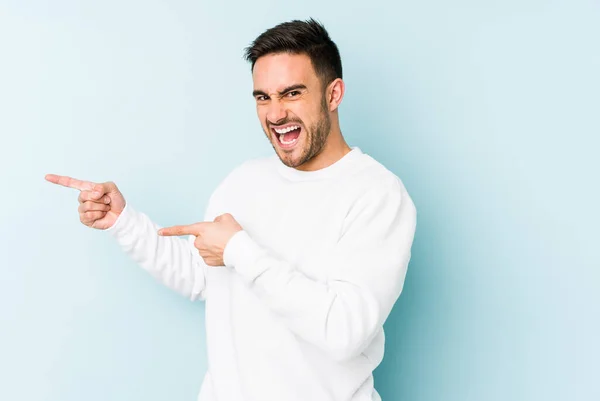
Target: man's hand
(211, 237)
(99, 204)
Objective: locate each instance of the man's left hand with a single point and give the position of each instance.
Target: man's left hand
(211, 237)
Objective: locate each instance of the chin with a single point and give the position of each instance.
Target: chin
(291, 159)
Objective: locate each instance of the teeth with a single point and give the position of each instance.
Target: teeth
(284, 142)
(285, 130)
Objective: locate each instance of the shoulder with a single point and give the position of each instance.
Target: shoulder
(244, 174)
(379, 200)
(378, 191)
(372, 178)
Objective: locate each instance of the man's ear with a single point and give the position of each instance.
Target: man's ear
(335, 93)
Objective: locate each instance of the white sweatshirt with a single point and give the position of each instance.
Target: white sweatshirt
(297, 312)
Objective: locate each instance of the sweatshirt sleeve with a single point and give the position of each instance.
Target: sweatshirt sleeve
(366, 271)
(173, 261)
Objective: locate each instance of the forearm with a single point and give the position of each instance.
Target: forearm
(363, 276)
(171, 260)
(340, 316)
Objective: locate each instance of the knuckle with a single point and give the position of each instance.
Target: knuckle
(91, 215)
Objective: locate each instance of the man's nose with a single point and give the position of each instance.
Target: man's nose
(276, 112)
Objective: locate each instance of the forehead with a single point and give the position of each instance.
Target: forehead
(274, 72)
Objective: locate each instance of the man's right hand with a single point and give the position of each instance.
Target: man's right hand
(99, 204)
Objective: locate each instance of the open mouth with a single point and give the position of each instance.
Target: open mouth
(288, 135)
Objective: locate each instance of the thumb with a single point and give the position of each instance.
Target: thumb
(225, 216)
(104, 188)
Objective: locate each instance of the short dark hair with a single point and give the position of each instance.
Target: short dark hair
(300, 37)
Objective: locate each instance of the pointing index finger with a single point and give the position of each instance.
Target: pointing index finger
(70, 182)
(190, 229)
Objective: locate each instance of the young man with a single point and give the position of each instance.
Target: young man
(301, 255)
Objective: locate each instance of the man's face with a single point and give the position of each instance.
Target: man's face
(290, 100)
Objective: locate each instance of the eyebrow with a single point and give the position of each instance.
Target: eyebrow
(288, 89)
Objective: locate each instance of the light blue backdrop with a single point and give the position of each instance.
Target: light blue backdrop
(488, 110)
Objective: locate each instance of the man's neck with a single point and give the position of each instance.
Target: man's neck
(334, 149)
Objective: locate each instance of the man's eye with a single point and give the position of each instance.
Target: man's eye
(261, 98)
(292, 93)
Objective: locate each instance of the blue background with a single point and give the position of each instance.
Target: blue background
(489, 111)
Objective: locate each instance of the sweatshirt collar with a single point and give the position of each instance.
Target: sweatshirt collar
(330, 171)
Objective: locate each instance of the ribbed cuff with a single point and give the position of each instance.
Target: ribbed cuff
(242, 253)
(124, 221)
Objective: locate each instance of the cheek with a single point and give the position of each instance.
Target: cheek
(299, 111)
(261, 112)
(310, 111)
